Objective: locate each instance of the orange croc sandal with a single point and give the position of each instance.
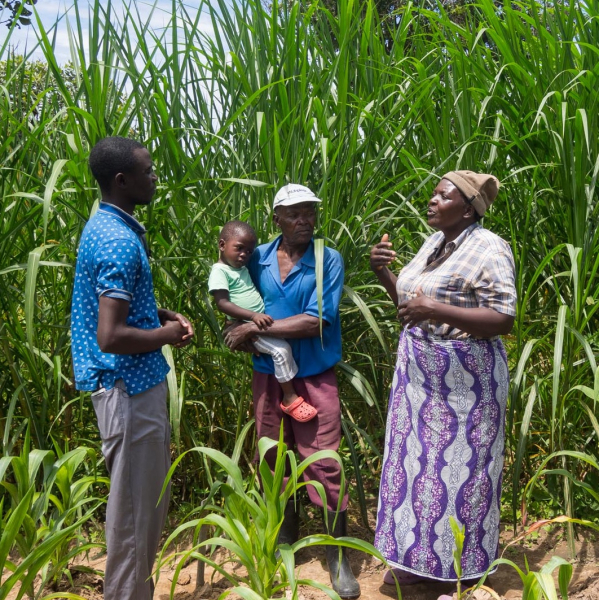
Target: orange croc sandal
(300, 410)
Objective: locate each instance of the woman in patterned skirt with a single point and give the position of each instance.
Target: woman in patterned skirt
(445, 426)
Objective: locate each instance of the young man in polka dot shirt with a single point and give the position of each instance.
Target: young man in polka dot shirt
(117, 333)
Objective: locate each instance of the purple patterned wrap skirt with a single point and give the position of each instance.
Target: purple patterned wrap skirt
(443, 455)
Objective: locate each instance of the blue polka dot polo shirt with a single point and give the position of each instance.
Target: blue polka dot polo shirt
(112, 260)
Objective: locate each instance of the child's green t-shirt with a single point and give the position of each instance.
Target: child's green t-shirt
(238, 283)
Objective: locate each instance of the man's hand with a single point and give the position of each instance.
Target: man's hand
(177, 334)
(170, 316)
(262, 321)
(237, 334)
(417, 309)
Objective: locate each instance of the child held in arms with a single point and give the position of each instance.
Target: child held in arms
(237, 297)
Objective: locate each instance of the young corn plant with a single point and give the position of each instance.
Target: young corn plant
(369, 118)
(246, 516)
(535, 584)
(46, 504)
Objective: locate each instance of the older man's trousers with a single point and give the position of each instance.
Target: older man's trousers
(135, 435)
(323, 432)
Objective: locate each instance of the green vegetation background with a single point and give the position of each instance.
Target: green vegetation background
(369, 115)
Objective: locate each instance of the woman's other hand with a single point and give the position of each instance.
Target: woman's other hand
(480, 322)
(417, 309)
(382, 254)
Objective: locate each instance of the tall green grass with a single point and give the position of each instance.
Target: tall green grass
(290, 92)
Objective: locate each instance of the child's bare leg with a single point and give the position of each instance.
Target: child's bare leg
(289, 393)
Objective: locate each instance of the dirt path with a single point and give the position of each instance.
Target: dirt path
(311, 564)
(506, 582)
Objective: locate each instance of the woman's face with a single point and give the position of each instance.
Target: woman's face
(447, 209)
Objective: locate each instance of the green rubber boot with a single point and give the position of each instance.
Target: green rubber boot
(289, 531)
(342, 578)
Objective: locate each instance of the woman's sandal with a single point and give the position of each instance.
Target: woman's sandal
(403, 577)
(299, 410)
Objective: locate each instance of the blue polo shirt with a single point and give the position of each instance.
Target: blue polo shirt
(112, 260)
(297, 295)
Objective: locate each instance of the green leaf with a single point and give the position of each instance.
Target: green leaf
(250, 182)
(30, 284)
(319, 269)
(50, 190)
(176, 394)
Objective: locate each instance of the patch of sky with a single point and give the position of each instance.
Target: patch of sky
(147, 34)
(55, 17)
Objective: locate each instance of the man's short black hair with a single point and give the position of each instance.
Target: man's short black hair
(236, 227)
(110, 156)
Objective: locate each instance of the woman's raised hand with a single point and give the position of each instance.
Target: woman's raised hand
(381, 254)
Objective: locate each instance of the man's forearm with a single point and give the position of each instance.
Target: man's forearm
(116, 337)
(298, 326)
(132, 340)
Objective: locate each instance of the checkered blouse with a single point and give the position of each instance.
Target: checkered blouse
(475, 270)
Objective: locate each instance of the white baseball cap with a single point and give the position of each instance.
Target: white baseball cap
(293, 193)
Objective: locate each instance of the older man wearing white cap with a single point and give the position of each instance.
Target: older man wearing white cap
(284, 271)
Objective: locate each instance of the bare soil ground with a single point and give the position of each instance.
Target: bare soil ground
(537, 549)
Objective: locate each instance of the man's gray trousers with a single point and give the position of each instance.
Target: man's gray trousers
(135, 435)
